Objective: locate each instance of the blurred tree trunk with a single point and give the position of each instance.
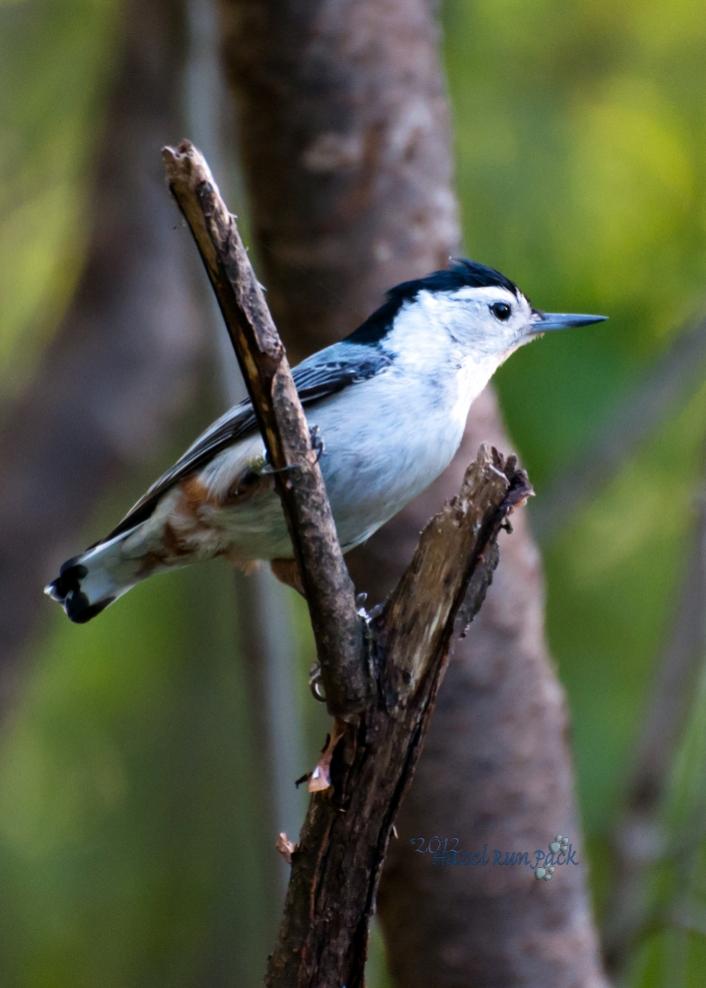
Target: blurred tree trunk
(345, 140)
(123, 360)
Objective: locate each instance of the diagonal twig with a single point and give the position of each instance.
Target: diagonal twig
(329, 589)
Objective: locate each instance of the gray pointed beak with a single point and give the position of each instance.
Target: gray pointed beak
(545, 321)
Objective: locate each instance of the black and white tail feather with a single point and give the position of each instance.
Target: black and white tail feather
(88, 583)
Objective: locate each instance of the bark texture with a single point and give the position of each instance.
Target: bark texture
(345, 143)
(124, 358)
(346, 149)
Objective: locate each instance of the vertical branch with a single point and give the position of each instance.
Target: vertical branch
(346, 147)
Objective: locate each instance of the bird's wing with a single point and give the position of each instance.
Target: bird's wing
(317, 377)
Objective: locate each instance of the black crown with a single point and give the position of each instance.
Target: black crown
(460, 273)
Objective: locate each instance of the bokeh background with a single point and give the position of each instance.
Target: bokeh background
(135, 769)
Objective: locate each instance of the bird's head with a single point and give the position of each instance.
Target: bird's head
(473, 309)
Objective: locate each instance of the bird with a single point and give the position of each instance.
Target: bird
(388, 405)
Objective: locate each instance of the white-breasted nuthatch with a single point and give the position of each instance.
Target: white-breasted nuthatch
(389, 403)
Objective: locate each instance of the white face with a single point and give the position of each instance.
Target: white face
(491, 321)
(462, 335)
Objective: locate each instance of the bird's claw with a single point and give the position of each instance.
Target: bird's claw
(315, 684)
(367, 615)
(268, 470)
(317, 442)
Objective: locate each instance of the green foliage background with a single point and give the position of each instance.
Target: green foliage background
(130, 843)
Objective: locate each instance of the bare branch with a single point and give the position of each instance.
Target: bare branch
(337, 863)
(328, 587)
(424, 605)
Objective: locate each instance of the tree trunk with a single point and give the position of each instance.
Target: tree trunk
(346, 149)
(123, 359)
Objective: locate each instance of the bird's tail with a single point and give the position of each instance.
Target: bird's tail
(86, 584)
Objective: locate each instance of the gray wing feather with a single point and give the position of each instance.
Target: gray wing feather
(317, 377)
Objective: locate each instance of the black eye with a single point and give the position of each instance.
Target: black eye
(501, 311)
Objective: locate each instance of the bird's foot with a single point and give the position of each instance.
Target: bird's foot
(267, 470)
(315, 684)
(367, 615)
(317, 442)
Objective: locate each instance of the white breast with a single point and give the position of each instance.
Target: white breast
(386, 440)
